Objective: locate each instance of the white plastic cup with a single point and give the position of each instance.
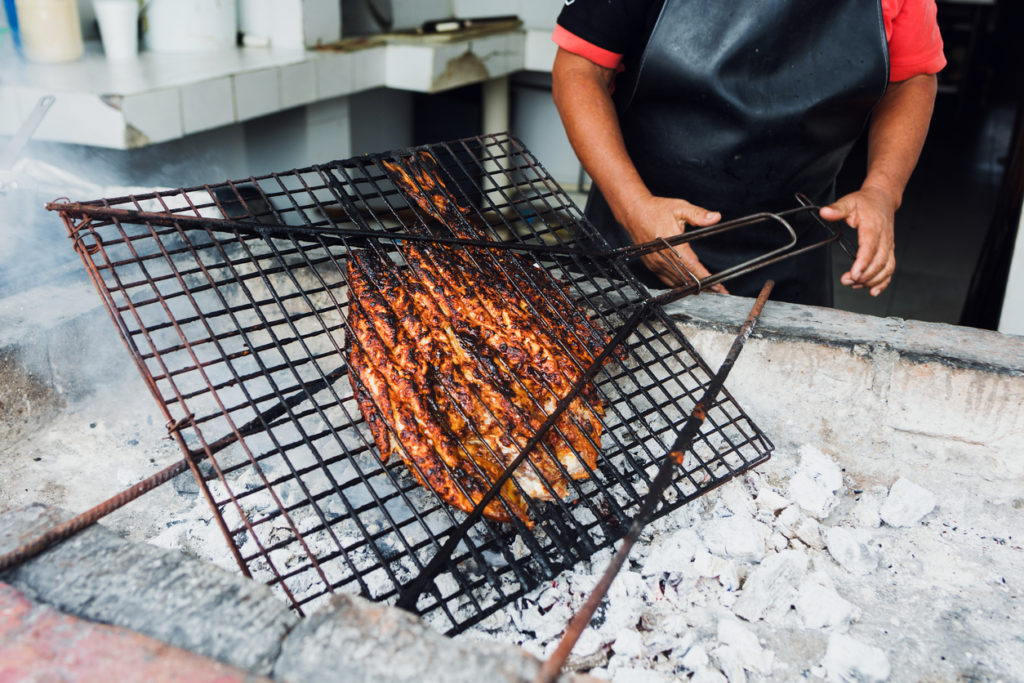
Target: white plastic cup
(119, 27)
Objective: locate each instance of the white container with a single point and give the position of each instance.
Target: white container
(299, 24)
(51, 30)
(119, 27)
(255, 22)
(190, 25)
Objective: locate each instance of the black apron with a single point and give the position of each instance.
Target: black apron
(735, 107)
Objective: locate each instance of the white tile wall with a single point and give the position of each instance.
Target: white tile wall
(540, 50)
(334, 74)
(298, 84)
(169, 96)
(257, 93)
(538, 14)
(305, 23)
(369, 68)
(208, 104)
(409, 67)
(77, 118)
(321, 22)
(156, 114)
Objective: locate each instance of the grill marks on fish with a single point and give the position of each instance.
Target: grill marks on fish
(456, 369)
(396, 378)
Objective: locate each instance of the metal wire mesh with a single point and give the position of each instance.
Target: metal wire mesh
(233, 301)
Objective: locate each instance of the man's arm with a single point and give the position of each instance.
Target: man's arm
(582, 94)
(896, 134)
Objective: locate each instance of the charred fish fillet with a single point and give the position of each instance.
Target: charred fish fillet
(456, 370)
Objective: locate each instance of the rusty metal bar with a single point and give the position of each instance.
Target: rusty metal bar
(412, 590)
(552, 667)
(86, 519)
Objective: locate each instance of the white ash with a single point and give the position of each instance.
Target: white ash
(848, 659)
(851, 548)
(819, 604)
(670, 612)
(815, 483)
(778, 575)
(906, 504)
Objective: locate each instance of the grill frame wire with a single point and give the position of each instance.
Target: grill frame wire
(484, 575)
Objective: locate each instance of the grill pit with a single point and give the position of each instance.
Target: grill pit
(880, 400)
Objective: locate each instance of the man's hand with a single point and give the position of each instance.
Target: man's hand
(653, 217)
(871, 212)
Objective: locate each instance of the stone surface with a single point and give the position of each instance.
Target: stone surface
(906, 504)
(165, 596)
(168, 596)
(370, 642)
(38, 643)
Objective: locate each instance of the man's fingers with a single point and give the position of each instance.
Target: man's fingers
(696, 215)
(837, 210)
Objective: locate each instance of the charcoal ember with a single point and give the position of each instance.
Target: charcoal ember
(772, 585)
(696, 658)
(740, 650)
(628, 642)
(809, 531)
(906, 504)
(848, 659)
(771, 500)
(708, 674)
(673, 554)
(788, 520)
(185, 484)
(723, 570)
(739, 538)
(867, 513)
(819, 605)
(737, 499)
(852, 550)
(815, 483)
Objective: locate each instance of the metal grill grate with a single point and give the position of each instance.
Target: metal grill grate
(232, 299)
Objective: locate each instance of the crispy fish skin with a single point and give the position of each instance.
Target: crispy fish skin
(386, 362)
(537, 376)
(456, 370)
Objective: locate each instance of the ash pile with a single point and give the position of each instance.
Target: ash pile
(789, 572)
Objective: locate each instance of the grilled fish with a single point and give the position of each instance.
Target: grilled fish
(456, 370)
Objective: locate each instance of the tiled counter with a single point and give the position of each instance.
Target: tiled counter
(161, 96)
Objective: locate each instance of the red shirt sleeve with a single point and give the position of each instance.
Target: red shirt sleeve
(915, 45)
(578, 46)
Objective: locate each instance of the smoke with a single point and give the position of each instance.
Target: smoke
(53, 324)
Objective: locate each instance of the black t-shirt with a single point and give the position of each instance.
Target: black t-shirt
(619, 26)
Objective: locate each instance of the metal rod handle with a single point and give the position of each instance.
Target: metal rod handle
(67, 529)
(551, 668)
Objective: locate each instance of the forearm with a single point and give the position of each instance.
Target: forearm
(581, 92)
(897, 133)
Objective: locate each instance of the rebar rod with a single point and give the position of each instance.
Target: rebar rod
(79, 522)
(551, 668)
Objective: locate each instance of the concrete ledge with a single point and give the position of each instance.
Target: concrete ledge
(941, 404)
(192, 605)
(915, 341)
(40, 644)
(99, 576)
